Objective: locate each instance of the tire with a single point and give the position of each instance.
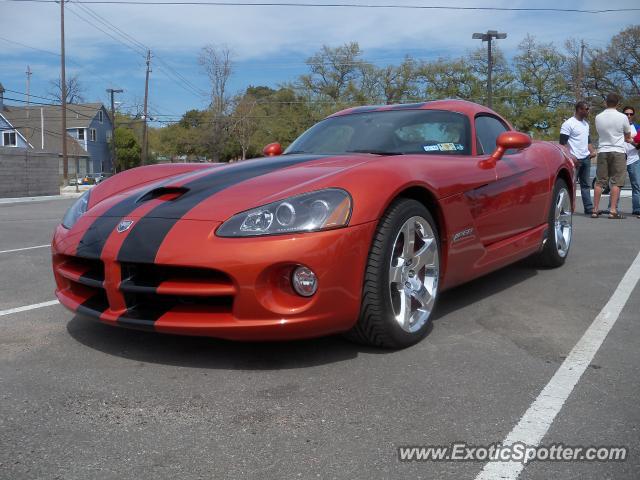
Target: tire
(401, 278)
(559, 234)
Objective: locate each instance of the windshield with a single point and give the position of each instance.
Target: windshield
(387, 133)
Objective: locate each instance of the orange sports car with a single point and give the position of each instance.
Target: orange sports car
(357, 227)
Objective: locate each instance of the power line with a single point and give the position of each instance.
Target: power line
(340, 5)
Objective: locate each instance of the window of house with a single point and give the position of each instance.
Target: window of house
(9, 139)
(92, 134)
(81, 134)
(108, 135)
(100, 116)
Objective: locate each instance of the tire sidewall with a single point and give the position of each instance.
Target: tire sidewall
(404, 210)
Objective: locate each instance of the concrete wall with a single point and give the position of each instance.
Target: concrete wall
(25, 173)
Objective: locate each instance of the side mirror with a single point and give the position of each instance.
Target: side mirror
(272, 150)
(509, 140)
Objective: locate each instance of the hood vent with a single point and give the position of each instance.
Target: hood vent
(168, 193)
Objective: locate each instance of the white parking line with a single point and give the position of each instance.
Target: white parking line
(536, 421)
(28, 307)
(25, 248)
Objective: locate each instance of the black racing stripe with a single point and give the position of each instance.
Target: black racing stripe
(148, 233)
(94, 305)
(92, 242)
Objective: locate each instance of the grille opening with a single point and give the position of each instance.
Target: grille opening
(144, 306)
(152, 275)
(86, 268)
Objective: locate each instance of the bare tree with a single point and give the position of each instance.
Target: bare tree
(217, 62)
(243, 121)
(75, 90)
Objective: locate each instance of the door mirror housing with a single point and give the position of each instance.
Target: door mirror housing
(509, 140)
(272, 150)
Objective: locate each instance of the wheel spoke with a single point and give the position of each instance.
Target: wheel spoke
(395, 275)
(560, 204)
(426, 256)
(560, 240)
(409, 233)
(404, 315)
(424, 298)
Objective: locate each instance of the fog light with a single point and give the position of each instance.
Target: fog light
(304, 281)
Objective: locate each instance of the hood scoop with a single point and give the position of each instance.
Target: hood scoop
(167, 193)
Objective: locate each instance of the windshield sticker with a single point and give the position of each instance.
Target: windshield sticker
(431, 148)
(459, 147)
(446, 147)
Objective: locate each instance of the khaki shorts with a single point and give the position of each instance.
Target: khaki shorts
(612, 167)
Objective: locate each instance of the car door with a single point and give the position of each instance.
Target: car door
(516, 201)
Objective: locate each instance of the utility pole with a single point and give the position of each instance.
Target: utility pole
(63, 88)
(580, 72)
(487, 37)
(111, 91)
(146, 114)
(28, 72)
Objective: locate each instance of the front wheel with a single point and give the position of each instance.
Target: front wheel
(401, 278)
(560, 231)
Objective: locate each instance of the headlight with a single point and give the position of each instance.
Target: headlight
(76, 210)
(309, 212)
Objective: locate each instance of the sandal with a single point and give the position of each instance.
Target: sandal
(595, 215)
(617, 216)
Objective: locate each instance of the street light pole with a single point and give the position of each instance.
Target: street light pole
(111, 91)
(487, 37)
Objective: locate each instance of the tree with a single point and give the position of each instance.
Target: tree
(127, 149)
(217, 62)
(623, 55)
(75, 90)
(335, 73)
(244, 122)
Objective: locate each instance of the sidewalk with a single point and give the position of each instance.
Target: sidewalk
(65, 193)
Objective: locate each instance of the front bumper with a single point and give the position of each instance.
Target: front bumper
(233, 288)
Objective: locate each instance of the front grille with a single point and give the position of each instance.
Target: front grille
(151, 289)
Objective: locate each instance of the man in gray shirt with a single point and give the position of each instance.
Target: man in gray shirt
(613, 130)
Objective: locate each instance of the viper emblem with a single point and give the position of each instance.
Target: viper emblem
(124, 225)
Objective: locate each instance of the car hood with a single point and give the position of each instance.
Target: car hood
(219, 192)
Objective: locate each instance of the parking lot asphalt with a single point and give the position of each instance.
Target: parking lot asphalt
(83, 400)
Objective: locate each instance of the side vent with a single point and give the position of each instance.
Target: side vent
(169, 193)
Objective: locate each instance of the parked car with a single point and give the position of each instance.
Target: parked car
(357, 227)
(93, 178)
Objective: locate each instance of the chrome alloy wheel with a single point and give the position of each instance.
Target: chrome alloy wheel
(413, 274)
(562, 225)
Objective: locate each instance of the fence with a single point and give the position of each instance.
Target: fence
(26, 173)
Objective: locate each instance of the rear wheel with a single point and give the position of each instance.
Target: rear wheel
(401, 279)
(560, 231)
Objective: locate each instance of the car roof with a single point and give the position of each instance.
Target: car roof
(461, 106)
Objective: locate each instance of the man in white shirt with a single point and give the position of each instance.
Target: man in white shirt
(633, 162)
(613, 130)
(575, 133)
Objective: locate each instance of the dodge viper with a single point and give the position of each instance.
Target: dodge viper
(357, 227)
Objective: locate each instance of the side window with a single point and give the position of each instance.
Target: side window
(487, 130)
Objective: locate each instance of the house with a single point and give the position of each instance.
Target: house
(38, 127)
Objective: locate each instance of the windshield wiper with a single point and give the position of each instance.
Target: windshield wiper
(294, 152)
(374, 152)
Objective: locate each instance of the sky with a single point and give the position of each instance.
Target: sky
(105, 43)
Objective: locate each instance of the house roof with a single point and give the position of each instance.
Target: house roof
(28, 122)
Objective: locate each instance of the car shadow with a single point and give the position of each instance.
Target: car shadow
(483, 287)
(211, 353)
